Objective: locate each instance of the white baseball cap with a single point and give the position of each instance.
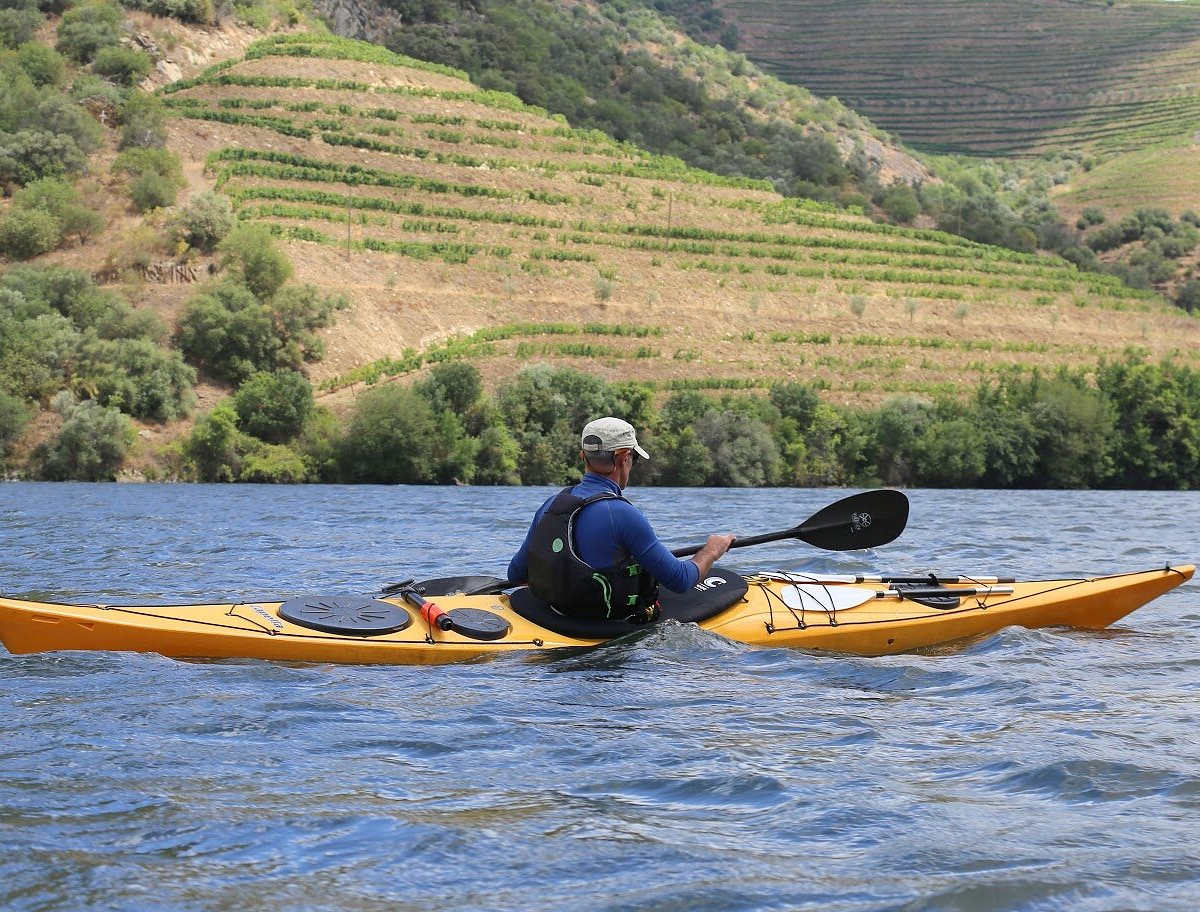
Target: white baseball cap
(608, 434)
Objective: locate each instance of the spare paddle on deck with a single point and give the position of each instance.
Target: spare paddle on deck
(864, 520)
(469, 622)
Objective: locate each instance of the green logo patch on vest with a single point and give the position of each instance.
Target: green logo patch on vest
(557, 545)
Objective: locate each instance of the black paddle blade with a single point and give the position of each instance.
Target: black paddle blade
(865, 520)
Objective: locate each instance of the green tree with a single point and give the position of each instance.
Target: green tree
(497, 460)
(900, 203)
(228, 333)
(898, 427)
(319, 444)
(90, 446)
(26, 155)
(1188, 296)
(743, 452)
(798, 401)
(1077, 430)
(274, 406)
(948, 454)
(388, 440)
(681, 459)
(1157, 434)
(18, 25)
(136, 376)
(453, 386)
(212, 449)
(296, 311)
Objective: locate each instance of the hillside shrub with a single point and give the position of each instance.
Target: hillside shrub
(273, 464)
(138, 377)
(296, 311)
(155, 176)
(202, 12)
(74, 294)
(123, 65)
(19, 24)
(88, 28)
(205, 220)
(26, 233)
(42, 64)
(90, 446)
(14, 418)
(64, 202)
(143, 122)
(26, 155)
(152, 190)
(91, 92)
(228, 333)
(900, 203)
(250, 252)
(231, 334)
(1188, 296)
(274, 406)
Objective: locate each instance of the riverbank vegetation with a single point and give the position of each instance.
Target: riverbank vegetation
(1128, 424)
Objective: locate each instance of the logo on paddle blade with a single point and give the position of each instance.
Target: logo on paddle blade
(860, 521)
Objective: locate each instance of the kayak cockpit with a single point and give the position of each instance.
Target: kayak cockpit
(708, 598)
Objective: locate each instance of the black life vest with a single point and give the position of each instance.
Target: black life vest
(559, 576)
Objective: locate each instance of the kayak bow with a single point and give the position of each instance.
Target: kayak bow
(864, 616)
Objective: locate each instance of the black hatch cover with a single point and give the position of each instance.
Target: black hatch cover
(349, 615)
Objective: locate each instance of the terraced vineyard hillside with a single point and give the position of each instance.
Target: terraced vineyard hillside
(460, 223)
(1004, 77)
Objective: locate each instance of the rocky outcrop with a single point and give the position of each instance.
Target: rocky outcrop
(367, 20)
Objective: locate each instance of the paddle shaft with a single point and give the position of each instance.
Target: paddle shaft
(430, 612)
(744, 542)
(860, 521)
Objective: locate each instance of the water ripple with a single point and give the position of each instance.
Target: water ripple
(672, 769)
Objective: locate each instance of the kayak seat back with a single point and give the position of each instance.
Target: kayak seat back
(709, 597)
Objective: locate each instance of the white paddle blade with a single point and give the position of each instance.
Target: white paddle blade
(825, 598)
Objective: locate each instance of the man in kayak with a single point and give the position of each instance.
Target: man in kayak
(591, 553)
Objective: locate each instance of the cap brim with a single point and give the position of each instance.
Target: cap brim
(641, 452)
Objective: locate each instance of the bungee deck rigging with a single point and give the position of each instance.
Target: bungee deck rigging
(768, 609)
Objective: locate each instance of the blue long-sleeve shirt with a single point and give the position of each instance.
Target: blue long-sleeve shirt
(606, 532)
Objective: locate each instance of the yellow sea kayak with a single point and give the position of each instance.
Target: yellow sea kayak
(420, 625)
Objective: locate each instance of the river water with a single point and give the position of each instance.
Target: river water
(1029, 770)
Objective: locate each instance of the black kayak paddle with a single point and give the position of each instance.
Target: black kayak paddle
(864, 520)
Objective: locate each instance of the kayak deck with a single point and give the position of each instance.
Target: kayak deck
(788, 610)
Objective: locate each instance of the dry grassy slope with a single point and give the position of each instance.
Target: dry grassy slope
(719, 313)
